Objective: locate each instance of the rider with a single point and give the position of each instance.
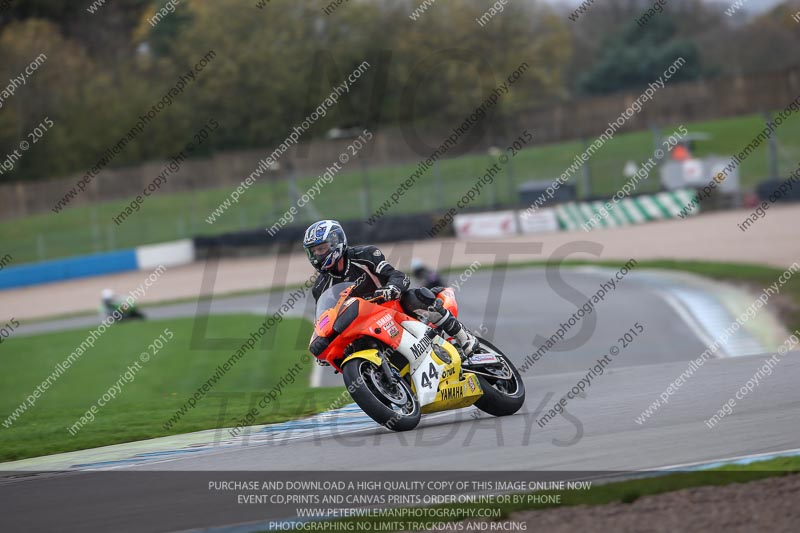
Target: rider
(326, 246)
(109, 303)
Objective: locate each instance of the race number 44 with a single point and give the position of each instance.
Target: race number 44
(429, 376)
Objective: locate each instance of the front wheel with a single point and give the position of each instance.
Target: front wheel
(503, 389)
(392, 405)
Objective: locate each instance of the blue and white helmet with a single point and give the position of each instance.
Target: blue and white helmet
(328, 232)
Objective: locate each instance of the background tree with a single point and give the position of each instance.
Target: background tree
(639, 55)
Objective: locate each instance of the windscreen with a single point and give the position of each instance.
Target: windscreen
(329, 298)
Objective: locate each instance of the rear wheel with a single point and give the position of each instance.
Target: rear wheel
(391, 404)
(503, 389)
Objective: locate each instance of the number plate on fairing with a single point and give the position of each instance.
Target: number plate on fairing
(426, 380)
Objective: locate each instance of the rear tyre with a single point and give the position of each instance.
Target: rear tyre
(391, 405)
(501, 396)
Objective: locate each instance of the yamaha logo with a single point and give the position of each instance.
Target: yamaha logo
(453, 393)
(421, 348)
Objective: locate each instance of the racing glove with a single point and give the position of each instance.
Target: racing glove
(390, 292)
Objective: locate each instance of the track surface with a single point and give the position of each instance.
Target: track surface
(609, 439)
(527, 305)
(598, 434)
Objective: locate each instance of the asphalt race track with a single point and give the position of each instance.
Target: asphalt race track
(527, 305)
(597, 432)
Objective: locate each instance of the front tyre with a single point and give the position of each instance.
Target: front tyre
(503, 391)
(391, 405)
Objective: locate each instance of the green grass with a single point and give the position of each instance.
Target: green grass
(166, 217)
(627, 491)
(160, 388)
(755, 276)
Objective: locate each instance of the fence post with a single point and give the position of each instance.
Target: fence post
(586, 174)
(110, 237)
(367, 203)
(96, 236)
(512, 199)
(41, 248)
(772, 154)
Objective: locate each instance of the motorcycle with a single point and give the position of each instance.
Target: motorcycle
(397, 368)
(126, 310)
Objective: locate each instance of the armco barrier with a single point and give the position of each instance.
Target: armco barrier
(628, 211)
(63, 269)
(767, 190)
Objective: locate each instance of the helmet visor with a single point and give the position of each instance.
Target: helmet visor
(318, 252)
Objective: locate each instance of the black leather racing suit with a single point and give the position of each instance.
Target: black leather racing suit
(367, 267)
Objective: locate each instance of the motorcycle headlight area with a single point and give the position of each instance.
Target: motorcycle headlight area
(442, 354)
(319, 345)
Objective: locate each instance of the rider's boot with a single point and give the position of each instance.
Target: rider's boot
(463, 337)
(453, 328)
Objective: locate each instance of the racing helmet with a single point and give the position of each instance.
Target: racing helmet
(417, 266)
(325, 243)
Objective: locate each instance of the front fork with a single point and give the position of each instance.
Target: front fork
(387, 370)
